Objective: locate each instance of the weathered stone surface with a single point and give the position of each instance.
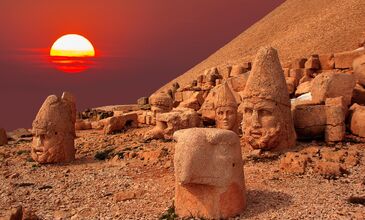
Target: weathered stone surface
(357, 120)
(168, 123)
(358, 95)
(307, 76)
(20, 134)
(291, 83)
(267, 119)
(20, 213)
(329, 170)
(54, 131)
(225, 104)
(298, 63)
(82, 125)
(331, 85)
(3, 137)
(327, 61)
(142, 101)
(359, 69)
(238, 83)
(118, 123)
(335, 119)
(160, 102)
(303, 88)
(297, 74)
(208, 172)
(345, 59)
(313, 62)
(310, 120)
(225, 71)
(194, 102)
(294, 163)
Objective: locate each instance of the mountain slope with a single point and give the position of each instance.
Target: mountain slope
(297, 28)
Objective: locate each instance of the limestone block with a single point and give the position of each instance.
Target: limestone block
(344, 60)
(208, 174)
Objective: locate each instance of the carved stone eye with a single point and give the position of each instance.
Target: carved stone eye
(248, 111)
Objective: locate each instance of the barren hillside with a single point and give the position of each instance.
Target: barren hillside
(296, 28)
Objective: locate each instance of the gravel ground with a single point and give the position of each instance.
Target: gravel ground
(141, 185)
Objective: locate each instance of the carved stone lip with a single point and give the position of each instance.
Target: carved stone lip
(38, 150)
(256, 133)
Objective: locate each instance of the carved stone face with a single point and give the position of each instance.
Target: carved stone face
(261, 123)
(226, 117)
(52, 146)
(54, 131)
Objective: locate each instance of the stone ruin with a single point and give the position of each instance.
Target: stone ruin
(267, 120)
(209, 173)
(54, 130)
(226, 116)
(3, 137)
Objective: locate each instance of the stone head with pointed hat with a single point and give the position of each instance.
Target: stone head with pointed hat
(267, 121)
(226, 106)
(54, 130)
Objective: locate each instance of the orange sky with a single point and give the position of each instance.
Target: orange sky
(142, 45)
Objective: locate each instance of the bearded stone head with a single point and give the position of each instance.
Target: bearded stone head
(54, 130)
(267, 121)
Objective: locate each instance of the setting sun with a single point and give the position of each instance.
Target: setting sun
(72, 45)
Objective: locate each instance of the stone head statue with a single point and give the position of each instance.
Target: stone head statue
(209, 173)
(160, 102)
(226, 109)
(267, 121)
(54, 130)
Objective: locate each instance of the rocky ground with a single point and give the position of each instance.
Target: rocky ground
(121, 177)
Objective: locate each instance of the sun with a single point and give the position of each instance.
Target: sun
(72, 45)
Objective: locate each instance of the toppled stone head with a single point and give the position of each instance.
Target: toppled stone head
(209, 173)
(226, 109)
(267, 121)
(160, 102)
(54, 130)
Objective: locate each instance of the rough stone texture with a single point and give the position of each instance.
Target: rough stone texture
(267, 119)
(82, 125)
(309, 120)
(297, 74)
(160, 102)
(344, 60)
(298, 63)
(313, 62)
(307, 76)
(168, 123)
(294, 163)
(336, 111)
(291, 83)
(303, 88)
(238, 83)
(119, 123)
(225, 72)
(359, 69)
(194, 102)
(3, 137)
(327, 61)
(225, 104)
(142, 101)
(54, 130)
(331, 85)
(359, 95)
(208, 173)
(357, 120)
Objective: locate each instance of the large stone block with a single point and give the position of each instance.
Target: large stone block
(359, 95)
(359, 70)
(310, 120)
(327, 61)
(357, 120)
(298, 63)
(208, 173)
(331, 85)
(345, 59)
(118, 123)
(313, 63)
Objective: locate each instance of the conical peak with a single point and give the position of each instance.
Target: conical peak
(267, 79)
(225, 97)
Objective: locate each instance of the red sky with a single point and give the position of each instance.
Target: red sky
(142, 44)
